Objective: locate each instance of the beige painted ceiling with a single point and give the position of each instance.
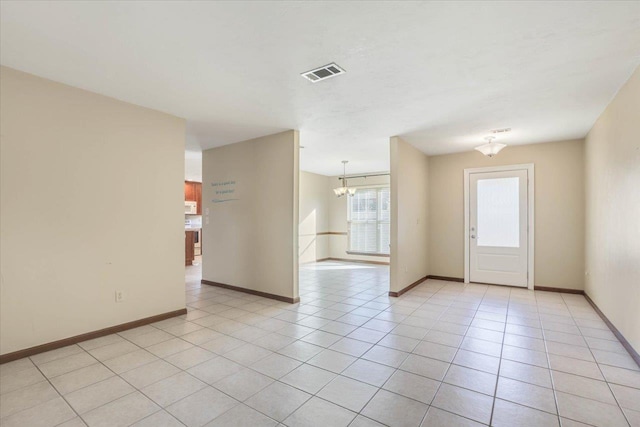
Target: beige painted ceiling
(440, 74)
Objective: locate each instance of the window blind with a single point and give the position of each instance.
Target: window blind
(368, 219)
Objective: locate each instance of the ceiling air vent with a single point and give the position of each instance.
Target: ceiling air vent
(499, 131)
(323, 73)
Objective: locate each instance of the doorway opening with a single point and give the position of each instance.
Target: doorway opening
(343, 241)
(499, 225)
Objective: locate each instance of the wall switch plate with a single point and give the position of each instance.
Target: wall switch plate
(119, 296)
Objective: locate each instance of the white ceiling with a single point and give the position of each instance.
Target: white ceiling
(440, 74)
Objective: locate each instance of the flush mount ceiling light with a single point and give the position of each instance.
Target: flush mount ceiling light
(323, 73)
(491, 148)
(341, 191)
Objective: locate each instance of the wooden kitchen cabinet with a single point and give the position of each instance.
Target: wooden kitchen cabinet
(193, 193)
(189, 242)
(189, 191)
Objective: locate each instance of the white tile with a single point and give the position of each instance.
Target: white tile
(121, 412)
(629, 398)
(386, 356)
(222, 344)
(66, 364)
(130, 361)
(100, 342)
(95, 395)
(275, 366)
(394, 410)
(320, 413)
(25, 398)
(473, 379)
(113, 350)
(575, 366)
(431, 368)
(526, 394)
(149, 373)
(50, 413)
(56, 354)
(615, 359)
(361, 421)
(247, 354)
(172, 389)
(15, 366)
(201, 407)
(332, 361)
(278, 401)
(438, 418)
(308, 378)
(190, 358)
(478, 361)
(589, 411)
(214, 370)
(523, 355)
(466, 403)
(583, 386)
(412, 386)
(508, 414)
(349, 393)
(527, 373)
(369, 372)
(159, 419)
(21, 378)
(435, 351)
(351, 347)
(621, 376)
(80, 378)
(153, 337)
(242, 416)
(243, 384)
(169, 347)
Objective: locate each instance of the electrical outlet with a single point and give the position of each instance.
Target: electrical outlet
(119, 296)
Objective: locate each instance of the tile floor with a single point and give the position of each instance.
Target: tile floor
(443, 354)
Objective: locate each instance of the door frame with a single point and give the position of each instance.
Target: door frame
(529, 167)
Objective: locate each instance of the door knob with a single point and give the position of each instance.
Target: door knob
(473, 236)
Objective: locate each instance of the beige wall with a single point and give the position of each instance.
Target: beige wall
(409, 214)
(613, 211)
(314, 217)
(559, 209)
(339, 243)
(91, 202)
(251, 241)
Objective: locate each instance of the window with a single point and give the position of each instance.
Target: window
(368, 219)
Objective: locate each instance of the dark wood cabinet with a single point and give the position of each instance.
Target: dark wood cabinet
(198, 190)
(189, 191)
(193, 193)
(189, 242)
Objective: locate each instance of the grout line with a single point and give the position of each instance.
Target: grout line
(548, 359)
(464, 286)
(504, 334)
(624, 414)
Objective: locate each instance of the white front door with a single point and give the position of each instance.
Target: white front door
(498, 227)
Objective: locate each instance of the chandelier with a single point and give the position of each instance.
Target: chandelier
(491, 148)
(341, 191)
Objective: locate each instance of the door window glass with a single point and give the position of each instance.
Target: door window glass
(498, 212)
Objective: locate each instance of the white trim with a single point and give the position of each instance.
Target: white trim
(529, 167)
